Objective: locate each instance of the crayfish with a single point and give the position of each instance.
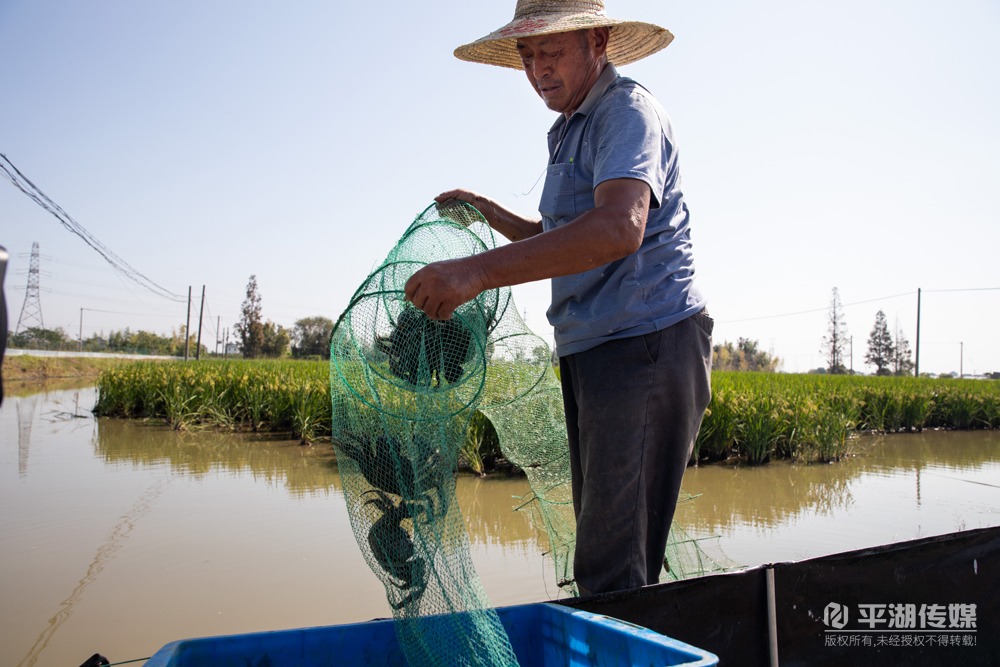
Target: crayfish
(444, 346)
(386, 469)
(393, 548)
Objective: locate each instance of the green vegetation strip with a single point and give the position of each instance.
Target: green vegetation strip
(29, 367)
(815, 417)
(757, 416)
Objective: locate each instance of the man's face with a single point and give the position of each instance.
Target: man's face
(562, 67)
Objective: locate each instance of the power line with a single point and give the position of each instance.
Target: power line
(818, 310)
(21, 182)
(968, 289)
(858, 303)
(118, 312)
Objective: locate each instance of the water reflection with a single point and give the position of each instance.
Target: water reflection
(769, 496)
(270, 458)
(487, 507)
(25, 417)
(898, 487)
(22, 388)
(105, 554)
(486, 504)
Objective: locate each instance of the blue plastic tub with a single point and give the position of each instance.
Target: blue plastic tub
(543, 635)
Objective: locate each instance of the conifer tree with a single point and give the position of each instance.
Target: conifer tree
(902, 364)
(880, 347)
(836, 336)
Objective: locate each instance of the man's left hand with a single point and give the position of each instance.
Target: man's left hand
(439, 288)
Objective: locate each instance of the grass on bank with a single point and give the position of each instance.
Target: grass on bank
(26, 367)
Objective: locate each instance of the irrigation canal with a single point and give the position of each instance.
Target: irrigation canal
(121, 536)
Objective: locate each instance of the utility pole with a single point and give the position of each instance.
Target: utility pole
(81, 329)
(961, 360)
(852, 354)
(916, 365)
(197, 352)
(225, 345)
(187, 327)
(218, 331)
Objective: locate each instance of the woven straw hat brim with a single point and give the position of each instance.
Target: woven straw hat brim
(630, 40)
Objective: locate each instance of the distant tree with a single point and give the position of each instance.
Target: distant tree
(902, 364)
(96, 343)
(35, 338)
(881, 351)
(142, 342)
(744, 356)
(177, 343)
(250, 328)
(836, 336)
(276, 340)
(311, 337)
(540, 354)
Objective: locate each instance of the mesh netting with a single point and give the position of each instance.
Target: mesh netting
(405, 390)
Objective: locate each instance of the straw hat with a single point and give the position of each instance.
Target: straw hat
(630, 40)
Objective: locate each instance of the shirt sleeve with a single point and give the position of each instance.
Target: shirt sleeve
(629, 141)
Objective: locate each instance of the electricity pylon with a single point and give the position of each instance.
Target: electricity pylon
(32, 308)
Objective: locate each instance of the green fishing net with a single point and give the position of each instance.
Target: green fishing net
(404, 391)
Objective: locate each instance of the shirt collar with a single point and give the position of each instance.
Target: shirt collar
(606, 78)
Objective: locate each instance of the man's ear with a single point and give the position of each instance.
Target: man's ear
(599, 38)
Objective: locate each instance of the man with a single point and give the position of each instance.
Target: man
(631, 331)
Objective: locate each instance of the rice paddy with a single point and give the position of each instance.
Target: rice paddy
(291, 396)
(761, 416)
(754, 416)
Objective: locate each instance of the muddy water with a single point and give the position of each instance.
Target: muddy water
(120, 536)
(897, 488)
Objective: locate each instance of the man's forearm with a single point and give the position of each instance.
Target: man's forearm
(587, 243)
(612, 230)
(512, 225)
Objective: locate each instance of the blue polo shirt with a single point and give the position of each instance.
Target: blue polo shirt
(619, 131)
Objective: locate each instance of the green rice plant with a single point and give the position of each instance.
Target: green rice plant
(990, 411)
(831, 433)
(214, 409)
(705, 433)
(915, 409)
(880, 410)
(471, 451)
(719, 426)
(761, 429)
(962, 409)
(283, 397)
(254, 402)
(796, 418)
(893, 414)
(178, 405)
(307, 412)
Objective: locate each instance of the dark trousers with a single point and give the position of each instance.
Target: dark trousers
(633, 410)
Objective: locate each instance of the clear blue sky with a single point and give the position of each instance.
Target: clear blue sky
(852, 145)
